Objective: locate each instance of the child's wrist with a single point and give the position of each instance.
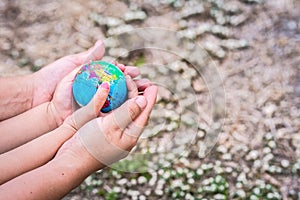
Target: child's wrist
(74, 153)
(54, 118)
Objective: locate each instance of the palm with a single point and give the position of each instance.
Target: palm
(46, 79)
(62, 99)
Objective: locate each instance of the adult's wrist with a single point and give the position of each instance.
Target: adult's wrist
(16, 95)
(40, 92)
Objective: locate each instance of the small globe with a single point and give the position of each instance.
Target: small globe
(91, 76)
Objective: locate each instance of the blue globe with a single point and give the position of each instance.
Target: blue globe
(91, 76)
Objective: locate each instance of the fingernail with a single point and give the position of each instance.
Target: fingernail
(105, 85)
(141, 101)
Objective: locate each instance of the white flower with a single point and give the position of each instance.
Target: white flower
(252, 155)
(199, 172)
(190, 175)
(253, 197)
(242, 178)
(227, 156)
(270, 196)
(285, 163)
(269, 136)
(221, 188)
(148, 192)
(188, 196)
(191, 181)
(122, 181)
(241, 193)
(208, 181)
(159, 192)
(228, 169)
(180, 170)
(185, 187)
(160, 172)
(176, 183)
(222, 149)
(257, 164)
(88, 180)
(133, 181)
(218, 179)
(117, 189)
(142, 197)
(142, 179)
(272, 144)
(220, 196)
(166, 175)
(267, 150)
(256, 191)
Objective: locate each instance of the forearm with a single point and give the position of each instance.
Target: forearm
(53, 180)
(25, 127)
(33, 154)
(15, 95)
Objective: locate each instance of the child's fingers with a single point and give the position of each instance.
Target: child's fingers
(101, 97)
(135, 128)
(120, 118)
(142, 84)
(92, 110)
(132, 71)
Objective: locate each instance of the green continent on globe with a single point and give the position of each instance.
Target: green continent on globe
(90, 77)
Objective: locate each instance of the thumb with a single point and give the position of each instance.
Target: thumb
(92, 109)
(94, 53)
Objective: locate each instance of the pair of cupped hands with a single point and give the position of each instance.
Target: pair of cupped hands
(103, 137)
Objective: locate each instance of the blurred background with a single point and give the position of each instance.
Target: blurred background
(238, 138)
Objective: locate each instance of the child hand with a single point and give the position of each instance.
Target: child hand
(110, 137)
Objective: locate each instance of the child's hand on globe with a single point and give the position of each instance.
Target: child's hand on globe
(110, 137)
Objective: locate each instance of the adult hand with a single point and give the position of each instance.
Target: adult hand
(46, 80)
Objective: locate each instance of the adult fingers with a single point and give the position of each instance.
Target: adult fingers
(70, 77)
(119, 65)
(134, 86)
(132, 71)
(131, 87)
(96, 52)
(142, 84)
(150, 94)
(128, 70)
